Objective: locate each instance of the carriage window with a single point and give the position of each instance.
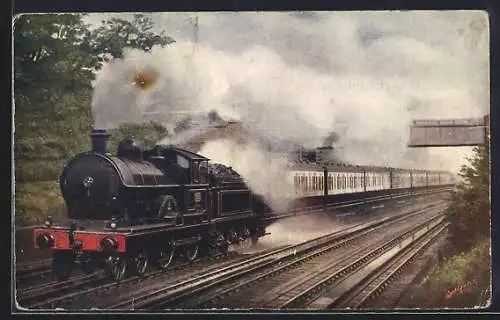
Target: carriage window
(321, 183)
(182, 162)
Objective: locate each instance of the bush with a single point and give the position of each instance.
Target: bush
(462, 280)
(469, 212)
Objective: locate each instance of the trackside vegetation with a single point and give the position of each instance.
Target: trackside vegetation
(463, 277)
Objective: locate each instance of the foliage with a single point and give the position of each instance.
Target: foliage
(55, 60)
(115, 34)
(464, 279)
(469, 212)
(148, 134)
(461, 281)
(35, 200)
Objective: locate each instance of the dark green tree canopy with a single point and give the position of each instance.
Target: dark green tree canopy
(469, 212)
(109, 39)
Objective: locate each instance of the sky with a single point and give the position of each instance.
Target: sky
(300, 75)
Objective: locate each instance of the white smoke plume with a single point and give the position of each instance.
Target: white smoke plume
(265, 173)
(298, 77)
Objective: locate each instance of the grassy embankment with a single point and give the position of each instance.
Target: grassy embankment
(459, 281)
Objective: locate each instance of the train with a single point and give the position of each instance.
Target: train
(155, 206)
(315, 184)
(315, 179)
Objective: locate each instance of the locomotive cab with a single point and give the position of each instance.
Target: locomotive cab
(186, 166)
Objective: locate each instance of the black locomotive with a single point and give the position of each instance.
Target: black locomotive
(142, 206)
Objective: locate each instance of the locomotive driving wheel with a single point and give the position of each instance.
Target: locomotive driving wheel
(166, 257)
(232, 236)
(246, 238)
(141, 263)
(116, 267)
(191, 252)
(217, 244)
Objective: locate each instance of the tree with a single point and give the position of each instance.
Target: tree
(48, 64)
(469, 212)
(115, 34)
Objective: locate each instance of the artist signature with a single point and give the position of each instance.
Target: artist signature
(460, 290)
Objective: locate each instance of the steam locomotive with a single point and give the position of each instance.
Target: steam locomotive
(137, 206)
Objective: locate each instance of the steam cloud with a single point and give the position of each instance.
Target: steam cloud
(365, 79)
(264, 172)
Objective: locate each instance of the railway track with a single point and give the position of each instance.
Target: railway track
(376, 282)
(293, 284)
(33, 271)
(61, 294)
(197, 291)
(396, 290)
(356, 202)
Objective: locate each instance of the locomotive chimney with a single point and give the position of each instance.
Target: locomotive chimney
(100, 141)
